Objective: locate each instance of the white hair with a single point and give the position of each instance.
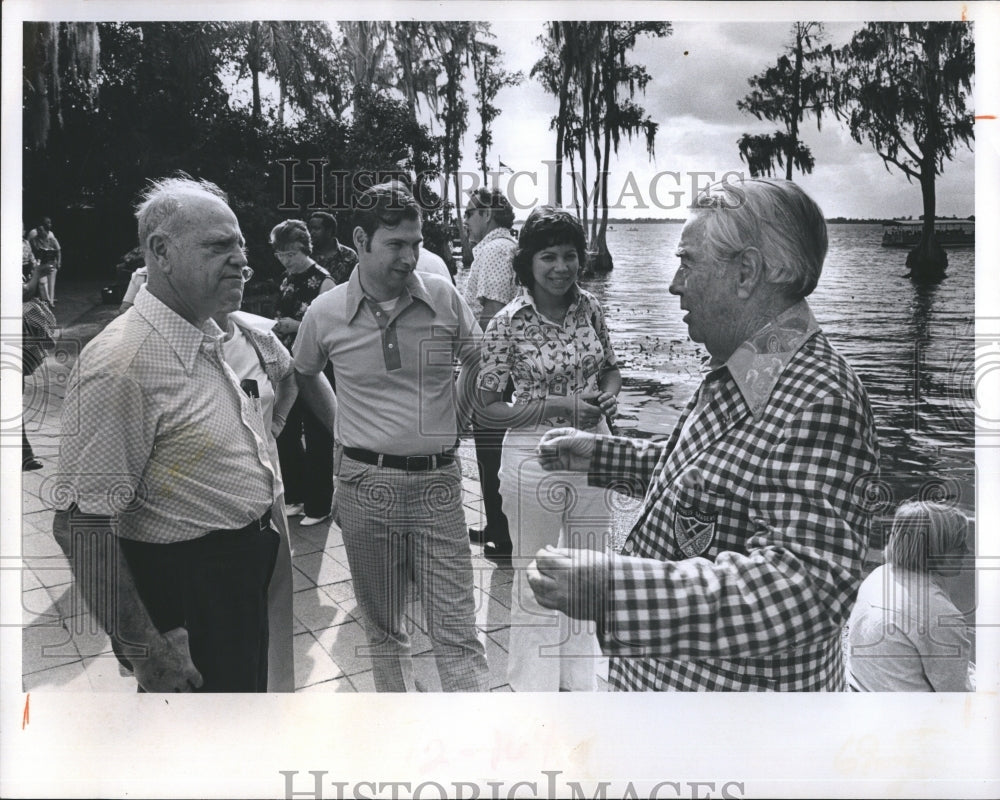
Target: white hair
(163, 198)
(774, 216)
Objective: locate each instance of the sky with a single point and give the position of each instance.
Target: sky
(698, 75)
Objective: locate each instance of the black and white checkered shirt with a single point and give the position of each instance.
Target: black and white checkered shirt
(746, 558)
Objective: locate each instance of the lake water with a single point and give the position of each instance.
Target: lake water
(911, 346)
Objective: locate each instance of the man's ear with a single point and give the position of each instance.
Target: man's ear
(359, 237)
(751, 272)
(156, 245)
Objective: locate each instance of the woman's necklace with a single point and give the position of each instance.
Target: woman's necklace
(555, 313)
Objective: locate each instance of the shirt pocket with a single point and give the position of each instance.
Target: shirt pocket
(705, 523)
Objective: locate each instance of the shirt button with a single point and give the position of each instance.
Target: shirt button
(390, 345)
(378, 313)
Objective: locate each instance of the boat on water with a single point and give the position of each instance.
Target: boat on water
(949, 232)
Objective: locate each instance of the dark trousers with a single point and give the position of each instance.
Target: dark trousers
(489, 447)
(216, 587)
(307, 471)
(26, 452)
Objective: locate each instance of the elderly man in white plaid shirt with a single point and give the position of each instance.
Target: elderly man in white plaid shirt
(165, 480)
(745, 560)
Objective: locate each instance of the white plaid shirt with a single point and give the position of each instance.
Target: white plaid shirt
(157, 432)
(746, 558)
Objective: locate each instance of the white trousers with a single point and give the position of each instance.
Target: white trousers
(548, 651)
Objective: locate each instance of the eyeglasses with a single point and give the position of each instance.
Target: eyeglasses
(247, 273)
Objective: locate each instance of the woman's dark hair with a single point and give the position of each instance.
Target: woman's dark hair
(546, 226)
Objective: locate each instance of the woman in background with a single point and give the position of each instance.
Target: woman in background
(308, 469)
(38, 325)
(905, 633)
(553, 342)
(48, 251)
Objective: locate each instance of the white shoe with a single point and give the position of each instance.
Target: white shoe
(305, 522)
(295, 510)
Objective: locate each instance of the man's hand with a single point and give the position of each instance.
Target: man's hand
(570, 581)
(168, 666)
(285, 326)
(566, 449)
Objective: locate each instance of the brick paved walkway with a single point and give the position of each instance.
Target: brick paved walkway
(63, 650)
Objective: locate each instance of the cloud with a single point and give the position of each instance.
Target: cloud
(698, 74)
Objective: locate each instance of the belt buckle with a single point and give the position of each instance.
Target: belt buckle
(425, 463)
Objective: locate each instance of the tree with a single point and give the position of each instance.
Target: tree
(56, 53)
(297, 55)
(903, 88)
(555, 71)
(452, 43)
(578, 44)
(762, 151)
(490, 78)
(799, 84)
(158, 101)
(147, 108)
(418, 70)
(618, 115)
(363, 55)
(602, 85)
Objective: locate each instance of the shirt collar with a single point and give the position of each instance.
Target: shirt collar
(414, 288)
(526, 300)
(757, 364)
(493, 235)
(183, 337)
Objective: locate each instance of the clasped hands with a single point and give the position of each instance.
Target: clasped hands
(587, 409)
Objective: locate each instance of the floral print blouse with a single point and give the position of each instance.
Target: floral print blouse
(543, 358)
(296, 292)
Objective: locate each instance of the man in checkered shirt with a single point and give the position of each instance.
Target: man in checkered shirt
(745, 560)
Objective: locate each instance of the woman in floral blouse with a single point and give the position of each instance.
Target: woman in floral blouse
(307, 471)
(553, 341)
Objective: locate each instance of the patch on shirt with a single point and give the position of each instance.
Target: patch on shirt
(694, 530)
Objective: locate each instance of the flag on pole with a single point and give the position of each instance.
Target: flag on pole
(504, 168)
